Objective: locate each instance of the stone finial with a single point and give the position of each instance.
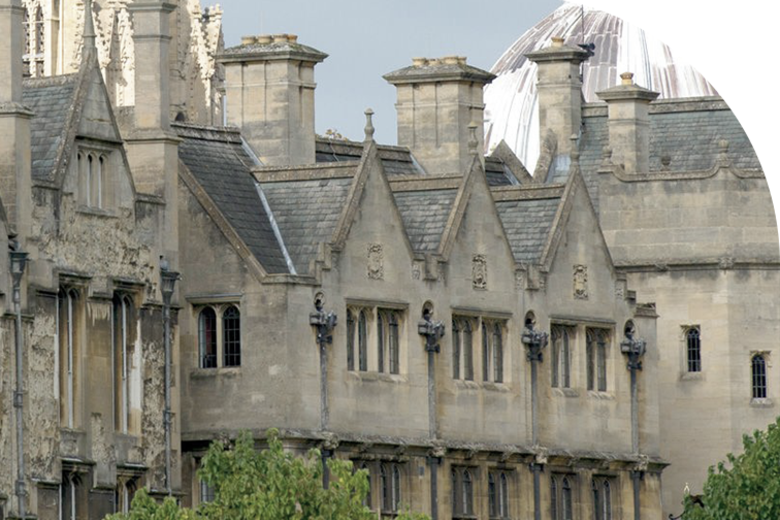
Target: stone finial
(473, 141)
(557, 41)
(575, 151)
(627, 78)
(369, 125)
(90, 39)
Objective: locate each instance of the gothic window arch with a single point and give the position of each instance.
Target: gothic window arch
(492, 350)
(462, 348)
(34, 41)
(601, 489)
(758, 376)
(462, 488)
(126, 371)
(231, 336)
(693, 348)
(68, 331)
(390, 487)
(498, 495)
(363, 340)
(207, 338)
(561, 497)
(560, 356)
(597, 343)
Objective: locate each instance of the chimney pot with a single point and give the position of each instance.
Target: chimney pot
(248, 40)
(263, 39)
(279, 38)
(627, 78)
(557, 41)
(419, 62)
(450, 60)
(292, 38)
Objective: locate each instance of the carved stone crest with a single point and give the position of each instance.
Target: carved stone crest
(416, 271)
(620, 289)
(581, 282)
(376, 268)
(519, 280)
(479, 272)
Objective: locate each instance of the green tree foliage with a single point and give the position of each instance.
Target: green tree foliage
(747, 486)
(270, 484)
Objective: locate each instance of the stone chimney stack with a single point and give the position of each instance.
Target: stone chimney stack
(629, 123)
(560, 91)
(15, 159)
(269, 85)
(437, 100)
(152, 148)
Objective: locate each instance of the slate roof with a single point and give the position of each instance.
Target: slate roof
(425, 214)
(51, 99)
(219, 162)
(686, 130)
(527, 224)
(497, 172)
(396, 160)
(307, 212)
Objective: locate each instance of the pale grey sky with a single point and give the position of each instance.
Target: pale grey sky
(368, 38)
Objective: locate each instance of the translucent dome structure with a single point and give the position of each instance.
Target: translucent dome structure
(512, 112)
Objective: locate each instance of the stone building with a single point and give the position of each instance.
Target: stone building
(273, 228)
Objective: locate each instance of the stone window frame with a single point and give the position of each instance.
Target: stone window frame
(390, 492)
(493, 342)
(563, 490)
(74, 490)
(561, 354)
(127, 485)
(603, 497)
(125, 340)
(462, 349)
(759, 378)
(597, 359)
(463, 483)
(498, 499)
(692, 341)
(93, 167)
(493, 375)
(70, 336)
(220, 356)
(363, 351)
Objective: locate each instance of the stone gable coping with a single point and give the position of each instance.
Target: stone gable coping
(404, 183)
(665, 106)
(534, 192)
(339, 170)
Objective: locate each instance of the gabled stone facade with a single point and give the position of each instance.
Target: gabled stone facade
(318, 275)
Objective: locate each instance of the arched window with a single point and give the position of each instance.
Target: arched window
(350, 340)
(607, 502)
(560, 357)
(363, 341)
(566, 500)
(67, 328)
(492, 496)
(456, 339)
(388, 355)
(467, 348)
(207, 338)
(89, 179)
(596, 354)
(554, 499)
(758, 368)
(498, 353)
(26, 58)
(454, 492)
(468, 493)
(602, 498)
(390, 482)
(693, 342)
(99, 178)
(485, 353)
(231, 336)
(503, 496)
(123, 360)
(39, 42)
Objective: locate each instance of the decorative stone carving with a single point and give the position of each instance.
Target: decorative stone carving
(376, 269)
(416, 271)
(580, 282)
(726, 262)
(620, 289)
(479, 272)
(519, 280)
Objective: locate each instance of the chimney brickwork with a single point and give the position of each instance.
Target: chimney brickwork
(560, 91)
(269, 84)
(437, 100)
(629, 123)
